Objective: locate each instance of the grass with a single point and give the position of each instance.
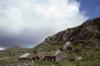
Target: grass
(88, 50)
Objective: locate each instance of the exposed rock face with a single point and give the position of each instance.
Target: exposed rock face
(77, 42)
(66, 46)
(89, 30)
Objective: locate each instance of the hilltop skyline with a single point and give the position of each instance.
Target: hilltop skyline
(25, 23)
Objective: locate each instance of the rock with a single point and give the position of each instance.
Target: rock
(66, 46)
(78, 58)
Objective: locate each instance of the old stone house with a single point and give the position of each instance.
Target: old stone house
(29, 57)
(57, 56)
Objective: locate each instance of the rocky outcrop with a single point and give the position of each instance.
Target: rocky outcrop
(75, 42)
(88, 31)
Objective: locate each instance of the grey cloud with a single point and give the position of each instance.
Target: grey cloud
(28, 38)
(25, 23)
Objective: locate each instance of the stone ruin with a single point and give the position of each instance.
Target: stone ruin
(59, 55)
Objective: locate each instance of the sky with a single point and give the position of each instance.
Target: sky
(91, 7)
(26, 23)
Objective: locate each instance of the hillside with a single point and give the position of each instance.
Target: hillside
(88, 32)
(84, 39)
(84, 42)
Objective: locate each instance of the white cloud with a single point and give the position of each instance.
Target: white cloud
(38, 17)
(2, 48)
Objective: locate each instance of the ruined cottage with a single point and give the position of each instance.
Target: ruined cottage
(29, 57)
(57, 56)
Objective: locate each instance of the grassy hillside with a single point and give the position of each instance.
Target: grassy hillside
(85, 43)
